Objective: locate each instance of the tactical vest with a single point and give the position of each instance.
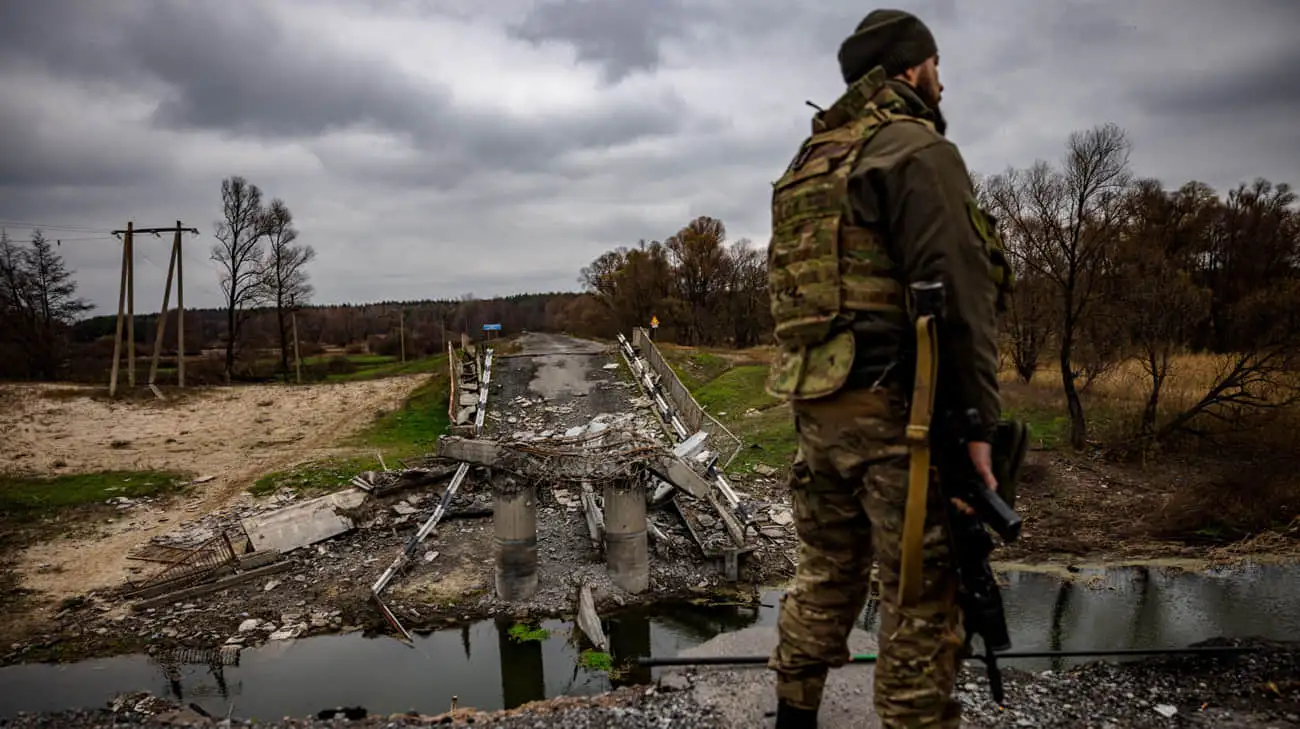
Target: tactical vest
(822, 268)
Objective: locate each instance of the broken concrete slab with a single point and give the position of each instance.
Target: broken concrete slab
(747, 695)
(589, 620)
(305, 523)
(594, 465)
(595, 518)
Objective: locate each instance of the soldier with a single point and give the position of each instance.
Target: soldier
(875, 200)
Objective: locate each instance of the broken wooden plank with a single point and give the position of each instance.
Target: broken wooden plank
(589, 621)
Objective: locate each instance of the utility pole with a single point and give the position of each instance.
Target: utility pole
(121, 305)
(297, 358)
(126, 299)
(401, 331)
(130, 310)
(180, 308)
(162, 315)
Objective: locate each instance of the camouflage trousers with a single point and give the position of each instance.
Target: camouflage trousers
(849, 491)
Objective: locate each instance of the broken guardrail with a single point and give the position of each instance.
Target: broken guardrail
(651, 383)
(408, 550)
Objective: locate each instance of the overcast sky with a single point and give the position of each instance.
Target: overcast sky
(429, 149)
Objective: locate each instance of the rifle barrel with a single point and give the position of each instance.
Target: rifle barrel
(872, 657)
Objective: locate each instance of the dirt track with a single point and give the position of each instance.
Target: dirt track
(231, 435)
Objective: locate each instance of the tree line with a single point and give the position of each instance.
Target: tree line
(703, 290)
(1111, 268)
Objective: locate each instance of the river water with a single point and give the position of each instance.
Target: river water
(483, 667)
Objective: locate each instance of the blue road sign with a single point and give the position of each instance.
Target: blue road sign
(491, 327)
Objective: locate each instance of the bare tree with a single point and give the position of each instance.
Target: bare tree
(701, 272)
(1068, 221)
(239, 253)
(284, 276)
(38, 303)
(747, 291)
(54, 301)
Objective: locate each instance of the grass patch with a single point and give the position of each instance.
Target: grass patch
(596, 661)
(389, 367)
(31, 496)
(734, 391)
(523, 633)
(411, 430)
(1049, 428)
(414, 428)
(314, 477)
(361, 360)
(769, 439)
(694, 368)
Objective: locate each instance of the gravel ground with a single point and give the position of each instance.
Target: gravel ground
(628, 708)
(1251, 690)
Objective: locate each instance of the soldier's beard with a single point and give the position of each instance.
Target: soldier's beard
(940, 123)
(927, 93)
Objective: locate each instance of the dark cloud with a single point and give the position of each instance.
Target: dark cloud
(1269, 84)
(622, 37)
(429, 149)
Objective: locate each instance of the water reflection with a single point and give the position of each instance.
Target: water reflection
(523, 672)
(1120, 608)
(629, 637)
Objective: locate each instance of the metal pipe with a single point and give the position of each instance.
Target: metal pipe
(872, 657)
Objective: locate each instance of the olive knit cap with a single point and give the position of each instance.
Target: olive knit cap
(894, 39)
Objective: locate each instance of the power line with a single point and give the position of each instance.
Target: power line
(55, 226)
(64, 240)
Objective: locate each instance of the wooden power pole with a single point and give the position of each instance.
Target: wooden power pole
(401, 331)
(127, 294)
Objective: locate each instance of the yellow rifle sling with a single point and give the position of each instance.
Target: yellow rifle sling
(918, 438)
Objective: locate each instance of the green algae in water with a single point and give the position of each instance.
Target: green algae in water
(596, 661)
(522, 633)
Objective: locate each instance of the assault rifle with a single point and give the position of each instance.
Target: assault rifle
(980, 597)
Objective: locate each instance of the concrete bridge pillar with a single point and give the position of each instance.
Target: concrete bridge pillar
(515, 519)
(627, 555)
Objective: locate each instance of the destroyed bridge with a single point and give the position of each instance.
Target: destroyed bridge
(619, 474)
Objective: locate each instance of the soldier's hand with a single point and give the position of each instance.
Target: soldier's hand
(981, 454)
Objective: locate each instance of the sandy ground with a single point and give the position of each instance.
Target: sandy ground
(230, 435)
